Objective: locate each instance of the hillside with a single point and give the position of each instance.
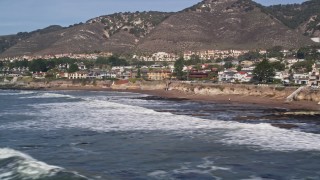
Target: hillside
(221, 24)
(210, 24)
(11, 40)
(117, 33)
(81, 38)
(304, 17)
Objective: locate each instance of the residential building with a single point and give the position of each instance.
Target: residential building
(301, 79)
(159, 75)
(314, 75)
(78, 75)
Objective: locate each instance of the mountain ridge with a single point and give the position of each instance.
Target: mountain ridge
(210, 24)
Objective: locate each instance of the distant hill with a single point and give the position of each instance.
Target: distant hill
(11, 40)
(304, 17)
(221, 24)
(210, 24)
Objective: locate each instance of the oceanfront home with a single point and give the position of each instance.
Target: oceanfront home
(159, 75)
(314, 75)
(78, 75)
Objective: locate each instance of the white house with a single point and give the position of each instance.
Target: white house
(302, 79)
(78, 75)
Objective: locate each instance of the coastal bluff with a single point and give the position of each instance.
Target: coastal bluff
(207, 89)
(268, 91)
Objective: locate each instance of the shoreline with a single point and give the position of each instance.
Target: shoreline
(234, 99)
(176, 94)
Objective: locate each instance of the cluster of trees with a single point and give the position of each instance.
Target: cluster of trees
(44, 65)
(111, 61)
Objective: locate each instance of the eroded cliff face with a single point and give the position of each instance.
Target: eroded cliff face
(309, 94)
(275, 92)
(243, 90)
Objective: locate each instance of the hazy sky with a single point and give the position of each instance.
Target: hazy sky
(27, 15)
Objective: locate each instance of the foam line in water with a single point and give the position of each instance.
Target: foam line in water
(14, 93)
(104, 116)
(204, 170)
(49, 95)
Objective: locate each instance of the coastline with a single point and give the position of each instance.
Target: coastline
(262, 101)
(232, 99)
(235, 99)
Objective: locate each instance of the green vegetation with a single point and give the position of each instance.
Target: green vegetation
(308, 53)
(178, 67)
(228, 65)
(264, 72)
(73, 68)
(278, 66)
(275, 52)
(294, 15)
(111, 61)
(251, 55)
(194, 59)
(38, 65)
(303, 66)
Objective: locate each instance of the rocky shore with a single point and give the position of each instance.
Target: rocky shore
(270, 96)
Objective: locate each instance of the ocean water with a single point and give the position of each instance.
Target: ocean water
(112, 135)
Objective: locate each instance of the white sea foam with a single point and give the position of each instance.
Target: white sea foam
(24, 166)
(48, 95)
(206, 168)
(104, 116)
(14, 93)
(18, 165)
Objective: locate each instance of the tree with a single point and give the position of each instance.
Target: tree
(228, 65)
(101, 61)
(275, 52)
(178, 68)
(1, 64)
(239, 68)
(73, 68)
(38, 65)
(194, 59)
(139, 73)
(278, 66)
(303, 66)
(116, 61)
(308, 53)
(251, 55)
(165, 64)
(264, 72)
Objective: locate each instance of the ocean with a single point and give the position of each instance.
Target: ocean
(62, 135)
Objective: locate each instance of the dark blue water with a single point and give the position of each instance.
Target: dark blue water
(110, 135)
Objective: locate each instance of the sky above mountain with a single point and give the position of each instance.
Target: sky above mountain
(28, 15)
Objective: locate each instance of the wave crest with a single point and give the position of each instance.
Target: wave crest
(17, 165)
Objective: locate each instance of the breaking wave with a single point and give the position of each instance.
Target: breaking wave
(17, 165)
(101, 115)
